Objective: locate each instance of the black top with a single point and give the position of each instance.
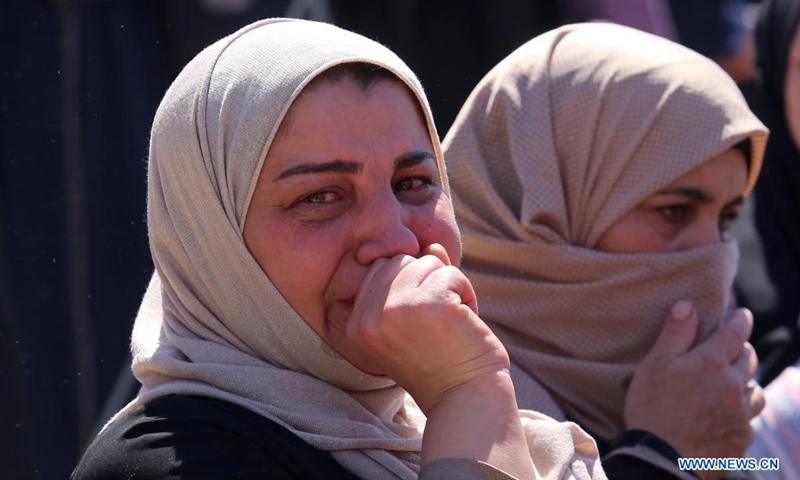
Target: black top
(184, 437)
(623, 467)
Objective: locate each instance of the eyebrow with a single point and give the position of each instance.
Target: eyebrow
(412, 159)
(336, 166)
(692, 193)
(699, 195)
(404, 161)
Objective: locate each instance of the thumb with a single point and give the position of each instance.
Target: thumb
(438, 251)
(679, 332)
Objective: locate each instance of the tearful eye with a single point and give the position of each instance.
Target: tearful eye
(321, 205)
(412, 183)
(676, 214)
(320, 198)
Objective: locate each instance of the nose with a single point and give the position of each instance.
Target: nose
(705, 232)
(384, 230)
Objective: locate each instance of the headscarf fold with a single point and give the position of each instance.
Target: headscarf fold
(212, 324)
(559, 141)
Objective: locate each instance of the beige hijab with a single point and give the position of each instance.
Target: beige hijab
(212, 323)
(555, 144)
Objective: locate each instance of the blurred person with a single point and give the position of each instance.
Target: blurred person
(721, 30)
(595, 173)
(777, 196)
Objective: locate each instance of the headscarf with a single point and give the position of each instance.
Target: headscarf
(777, 197)
(559, 141)
(212, 323)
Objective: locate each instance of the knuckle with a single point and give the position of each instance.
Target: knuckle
(713, 360)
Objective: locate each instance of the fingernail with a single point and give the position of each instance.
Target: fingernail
(682, 310)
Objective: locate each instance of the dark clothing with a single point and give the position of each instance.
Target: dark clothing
(622, 467)
(198, 437)
(202, 438)
(777, 195)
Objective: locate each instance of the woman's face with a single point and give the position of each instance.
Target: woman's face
(694, 210)
(352, 180)
(791, 91)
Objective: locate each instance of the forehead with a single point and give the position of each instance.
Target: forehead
(344, 95)
(727, 170)
(342, 118)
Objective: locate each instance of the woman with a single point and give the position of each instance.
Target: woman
(776, 196)
(594, 173)
(778, 47)
(302, 234)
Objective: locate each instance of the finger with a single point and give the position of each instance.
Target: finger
(453, 279)
(743, 318)
(379, 278)
(437, 251)
(752, 363)
(679, 331)
(743, 367)
(415, 273)
(756, 400)
(729, 339)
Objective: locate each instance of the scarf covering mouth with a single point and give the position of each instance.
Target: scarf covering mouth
(212, 323)
(558, 142)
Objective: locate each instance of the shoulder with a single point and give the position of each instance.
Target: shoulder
(185, 437)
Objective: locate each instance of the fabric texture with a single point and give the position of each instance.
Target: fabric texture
(777, 429)
(462, 469)
(559, 141)
(179, 436)
(211, 323)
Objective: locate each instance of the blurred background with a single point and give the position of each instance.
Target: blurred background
(80, 81)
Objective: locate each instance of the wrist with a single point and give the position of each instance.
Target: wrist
(485, 385)
(479, 420)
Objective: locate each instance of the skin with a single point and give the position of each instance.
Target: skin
(695, 210)
(791, 89)
(350, 222)
(367, 189)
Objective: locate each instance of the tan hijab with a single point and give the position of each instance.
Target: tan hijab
(212, 323)
(560, 140)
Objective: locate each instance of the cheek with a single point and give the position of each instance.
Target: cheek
(300, 260)
(792, 101)
(437, 224)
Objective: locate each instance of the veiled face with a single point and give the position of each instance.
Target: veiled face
(694, 210)
(791, 92)
(353, 179)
